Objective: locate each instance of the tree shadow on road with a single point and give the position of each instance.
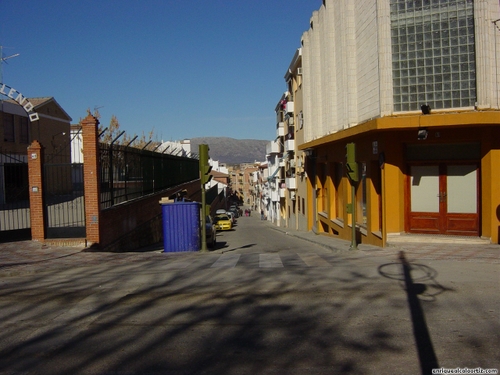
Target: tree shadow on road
(148, 317)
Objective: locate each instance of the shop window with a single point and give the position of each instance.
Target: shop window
(339, 190)
(322, 189)
(375, 197)
(361, 197)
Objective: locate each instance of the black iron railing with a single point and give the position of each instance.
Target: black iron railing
(128, 173)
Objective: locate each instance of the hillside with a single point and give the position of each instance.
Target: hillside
(232, 151)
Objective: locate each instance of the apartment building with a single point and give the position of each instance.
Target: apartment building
(274, 185)
(242, 185)
(414, 85)
(295, 181)
(262, 195)
(287, 179)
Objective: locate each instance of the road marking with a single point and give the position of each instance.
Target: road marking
(270, 261)
(226, 261)
(266, 260)
(314, 260)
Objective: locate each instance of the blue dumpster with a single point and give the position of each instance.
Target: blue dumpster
(181, 226)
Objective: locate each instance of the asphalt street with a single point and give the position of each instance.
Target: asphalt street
(266, 300)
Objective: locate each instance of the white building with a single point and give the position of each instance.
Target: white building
(274, 156)
(176, 148)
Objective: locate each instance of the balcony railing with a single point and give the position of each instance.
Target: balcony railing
(280, 130)
(275, 197)
(291, 183)
(273, 147)
(289, 145)
(282, 193)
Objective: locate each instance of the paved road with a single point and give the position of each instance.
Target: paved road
(265, 301)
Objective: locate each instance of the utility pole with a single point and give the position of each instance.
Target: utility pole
(205, 178)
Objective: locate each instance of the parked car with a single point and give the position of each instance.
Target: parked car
(222, 222)
(234, 210)
(232, 216)
(211, 232)
(220, 211)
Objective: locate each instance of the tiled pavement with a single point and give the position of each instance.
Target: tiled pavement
(416, 247)
(488, 253)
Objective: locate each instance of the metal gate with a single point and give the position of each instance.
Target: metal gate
(64, 200)
(14, 198)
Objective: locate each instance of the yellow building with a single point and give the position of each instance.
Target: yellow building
(295, 196)
(415, 88)
(242, 183)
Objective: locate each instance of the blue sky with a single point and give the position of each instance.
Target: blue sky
(182, 68)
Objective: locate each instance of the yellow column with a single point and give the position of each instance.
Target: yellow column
(490, 166)
(392, 199)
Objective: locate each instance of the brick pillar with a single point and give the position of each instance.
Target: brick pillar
(91, 178)
(35, 178)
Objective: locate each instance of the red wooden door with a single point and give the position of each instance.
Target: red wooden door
(443, 199)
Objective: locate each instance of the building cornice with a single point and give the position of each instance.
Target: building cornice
(456, 119)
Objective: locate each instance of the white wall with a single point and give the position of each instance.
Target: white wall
(341, 67)
(347, 63)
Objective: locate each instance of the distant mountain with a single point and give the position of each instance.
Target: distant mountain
(232, 151)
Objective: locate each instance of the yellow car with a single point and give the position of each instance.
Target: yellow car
(223, 222)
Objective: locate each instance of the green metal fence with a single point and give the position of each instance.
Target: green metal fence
(128, 173)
